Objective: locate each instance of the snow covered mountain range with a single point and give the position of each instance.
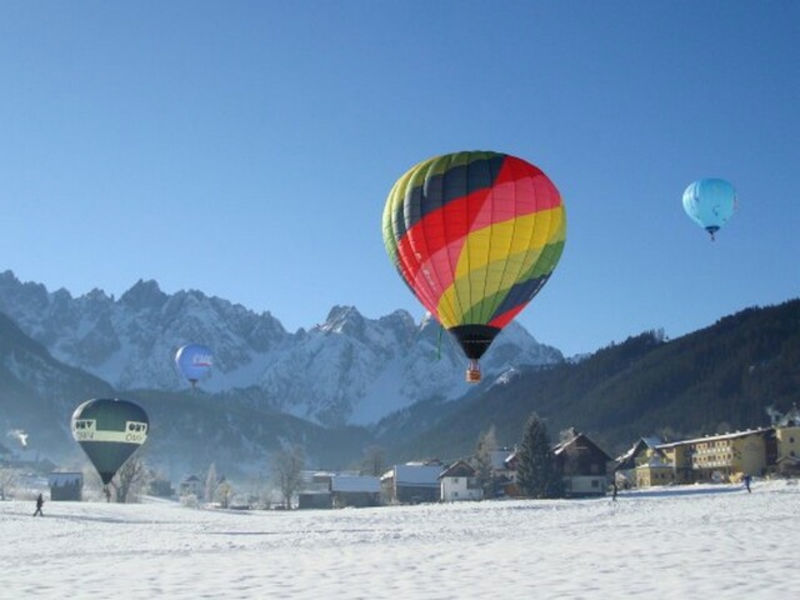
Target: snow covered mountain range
(347, 370)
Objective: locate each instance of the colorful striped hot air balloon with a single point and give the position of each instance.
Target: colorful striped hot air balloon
(475, 235)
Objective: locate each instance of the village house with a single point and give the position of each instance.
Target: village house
(355, 490)
(722, 457)
(625, 469)
(458, 482)
(412, 482)
(655, 469)
(314, 499)
(583, 465)
(787, 438)
(316, 490)
(191, 486)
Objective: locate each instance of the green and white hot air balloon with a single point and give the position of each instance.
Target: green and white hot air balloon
(109, 431)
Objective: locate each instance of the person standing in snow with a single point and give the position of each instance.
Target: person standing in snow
(39, 504)
(747, 479)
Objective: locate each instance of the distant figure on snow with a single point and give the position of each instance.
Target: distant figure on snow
(614, 497)
(39, 504)
(747, 479)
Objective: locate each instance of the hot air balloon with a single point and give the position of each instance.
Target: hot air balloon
(710, 203)
(194, 362)
(475, 235)
(109, 431)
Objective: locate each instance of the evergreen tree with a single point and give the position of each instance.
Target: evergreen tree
(537, 474)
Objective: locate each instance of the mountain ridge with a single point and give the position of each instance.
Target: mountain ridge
(349, 369)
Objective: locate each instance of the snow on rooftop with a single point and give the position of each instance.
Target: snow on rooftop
(417, 474)
(713, 438)
(355, 483)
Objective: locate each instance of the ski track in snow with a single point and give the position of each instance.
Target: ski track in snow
(666, 543)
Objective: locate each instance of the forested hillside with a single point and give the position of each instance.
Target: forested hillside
(716, 379)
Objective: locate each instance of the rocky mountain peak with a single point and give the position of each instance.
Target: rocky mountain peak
(349, 369)
(144, 294)
(344, 319)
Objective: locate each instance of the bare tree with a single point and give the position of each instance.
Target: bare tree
(374, 462)
(211, 483)
(286, 467)
(487, 443)
(8, 479)
(223, 494)
(130, 478)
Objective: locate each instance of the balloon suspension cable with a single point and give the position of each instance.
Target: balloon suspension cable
(439, 344)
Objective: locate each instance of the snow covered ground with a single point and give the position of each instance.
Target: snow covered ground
(688, 542)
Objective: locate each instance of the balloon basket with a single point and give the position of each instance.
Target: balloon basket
(473, 375)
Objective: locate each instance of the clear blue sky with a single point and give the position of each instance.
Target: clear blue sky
(246, 148)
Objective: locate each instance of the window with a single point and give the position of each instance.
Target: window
(595, 483)
(791, 440)
(455, 479)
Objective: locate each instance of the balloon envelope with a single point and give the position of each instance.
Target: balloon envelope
(109, 431)
(475, 235)
(194, 361)
(710, 203)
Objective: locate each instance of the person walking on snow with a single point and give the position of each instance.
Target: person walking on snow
(39, 504)
(747, 479)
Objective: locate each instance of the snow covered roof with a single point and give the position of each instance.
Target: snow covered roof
(355, 483)
(498, 457)
(417, 474)
(713, 438)
(586, 442)
(459, 468)
(642, 443)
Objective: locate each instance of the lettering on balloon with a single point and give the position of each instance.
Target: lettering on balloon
(201, 360)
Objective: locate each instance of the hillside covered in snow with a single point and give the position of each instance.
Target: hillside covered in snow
(349, 369)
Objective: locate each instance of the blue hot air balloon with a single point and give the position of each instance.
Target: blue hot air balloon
(710, 203)
(194, 362)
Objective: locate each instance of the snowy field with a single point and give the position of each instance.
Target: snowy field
(692, 542)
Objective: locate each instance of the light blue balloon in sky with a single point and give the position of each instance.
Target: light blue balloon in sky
(710, 203)
(194, 361)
